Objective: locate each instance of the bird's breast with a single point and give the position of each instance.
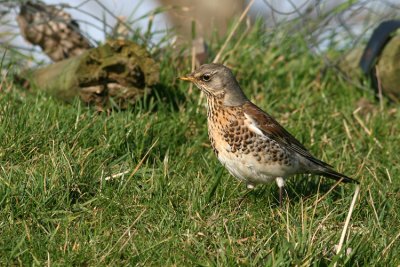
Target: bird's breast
(247, 155)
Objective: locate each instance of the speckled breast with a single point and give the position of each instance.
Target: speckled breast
(245, 154)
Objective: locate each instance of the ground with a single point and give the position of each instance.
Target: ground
(142, 186)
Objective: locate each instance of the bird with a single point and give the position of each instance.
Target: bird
(248, 141)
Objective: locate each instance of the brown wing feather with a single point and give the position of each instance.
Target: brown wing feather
(270, 127)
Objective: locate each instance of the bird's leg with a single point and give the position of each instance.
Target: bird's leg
(281, 183)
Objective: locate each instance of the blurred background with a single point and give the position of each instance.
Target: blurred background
(171, 21)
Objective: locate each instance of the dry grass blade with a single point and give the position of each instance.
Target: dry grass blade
(318, 200)
(373, 207)
(116, 175)
(346, 224)
(142, 160)
(365, 128)
(190, 91)
(244, 13)
(390, 244)
(122, 236)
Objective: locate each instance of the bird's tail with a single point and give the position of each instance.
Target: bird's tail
(330, 173)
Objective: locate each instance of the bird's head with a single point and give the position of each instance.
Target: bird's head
(217, 81)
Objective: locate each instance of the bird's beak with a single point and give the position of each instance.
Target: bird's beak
(186, 78)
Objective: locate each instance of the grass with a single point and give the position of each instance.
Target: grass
(170, 201)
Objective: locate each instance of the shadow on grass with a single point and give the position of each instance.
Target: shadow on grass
(169, 94)
(163, 97)
(299, 187)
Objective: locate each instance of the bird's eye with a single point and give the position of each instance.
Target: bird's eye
(206, 77)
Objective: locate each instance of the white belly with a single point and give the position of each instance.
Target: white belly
(245, 167)
(259, 169)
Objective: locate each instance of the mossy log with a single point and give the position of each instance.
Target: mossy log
(119, 69)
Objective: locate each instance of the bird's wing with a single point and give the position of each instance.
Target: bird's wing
(263, 124)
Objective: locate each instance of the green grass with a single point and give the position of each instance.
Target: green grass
(176, 205)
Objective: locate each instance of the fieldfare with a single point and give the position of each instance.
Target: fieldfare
(251, 144)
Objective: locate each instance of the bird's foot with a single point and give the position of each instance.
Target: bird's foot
(250, 186)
